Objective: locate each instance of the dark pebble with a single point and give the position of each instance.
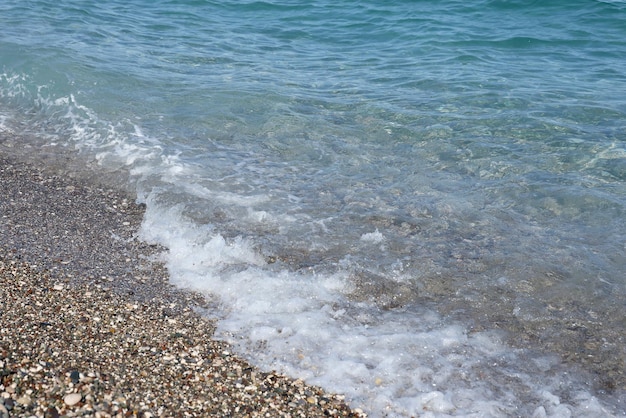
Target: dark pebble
(8, 404)
(75, 376)
(51, 413)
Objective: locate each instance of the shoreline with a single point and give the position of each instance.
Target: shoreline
(91, 324)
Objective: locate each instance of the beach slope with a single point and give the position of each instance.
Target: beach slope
(89, 324)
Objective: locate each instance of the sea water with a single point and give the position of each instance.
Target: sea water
(418, 204)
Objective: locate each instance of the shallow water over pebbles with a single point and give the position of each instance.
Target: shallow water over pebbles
(402, 202)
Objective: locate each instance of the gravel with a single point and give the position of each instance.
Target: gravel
(90, 326)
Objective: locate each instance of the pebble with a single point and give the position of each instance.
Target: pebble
(72, 399)
(24, 400)
(75, 376)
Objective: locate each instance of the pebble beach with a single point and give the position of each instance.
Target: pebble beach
(90, 326)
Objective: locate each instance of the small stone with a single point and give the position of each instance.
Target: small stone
(75, 376)
(72, 399)
(52, 412)
(57, 287)
(24, 400)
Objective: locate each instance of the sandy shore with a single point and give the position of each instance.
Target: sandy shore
(89, 325)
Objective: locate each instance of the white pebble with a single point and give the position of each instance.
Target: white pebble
(72, 399)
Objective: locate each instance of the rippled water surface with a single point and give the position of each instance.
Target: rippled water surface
(419, 205)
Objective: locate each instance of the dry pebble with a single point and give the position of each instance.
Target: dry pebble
(132, 361)
(90, 326)
(72, 399)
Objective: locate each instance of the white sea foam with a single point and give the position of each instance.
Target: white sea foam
(374, 237)
(390, 363)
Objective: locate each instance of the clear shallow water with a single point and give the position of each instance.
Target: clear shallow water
(421, 206)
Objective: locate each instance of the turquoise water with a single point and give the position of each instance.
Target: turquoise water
(419, 205)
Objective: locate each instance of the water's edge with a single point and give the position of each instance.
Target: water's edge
(557, 360)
